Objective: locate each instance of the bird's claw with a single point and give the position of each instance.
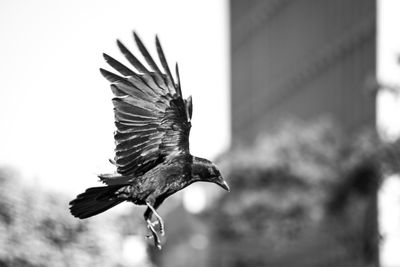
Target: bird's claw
(161, 225)
(155, 223)
(160, 222)
(150, 226)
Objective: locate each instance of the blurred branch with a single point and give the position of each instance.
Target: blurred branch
(36, 229)
(306, 194)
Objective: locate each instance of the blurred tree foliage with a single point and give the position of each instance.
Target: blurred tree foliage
(36, 229)
(304, 195)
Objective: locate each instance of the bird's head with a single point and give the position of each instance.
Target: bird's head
(206, 171)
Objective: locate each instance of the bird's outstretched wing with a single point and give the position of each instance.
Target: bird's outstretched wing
(152, 118)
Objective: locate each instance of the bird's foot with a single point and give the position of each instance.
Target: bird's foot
(153, 224)
(162, 227)
(161, 230)
(150, 226)
(159, 221)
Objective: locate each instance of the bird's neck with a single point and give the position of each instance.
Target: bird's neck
(199, 168)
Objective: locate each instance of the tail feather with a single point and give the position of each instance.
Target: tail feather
(95, 200)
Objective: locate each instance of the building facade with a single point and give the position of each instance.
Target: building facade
(305, 59)
(302, 59)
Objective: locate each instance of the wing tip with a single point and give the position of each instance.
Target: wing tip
(178, 79)
(136, 37)
(103, 71)
(106, 57)
(121, 46)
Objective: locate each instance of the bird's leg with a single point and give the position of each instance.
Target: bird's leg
(147, 218)
(159, 219)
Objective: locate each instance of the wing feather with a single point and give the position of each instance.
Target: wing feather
(178, 85)
(131, 58)
(138, 111)
(125, 159)
(136, 141)
(134, 92)
(132, 127)
(114, 78)
(118, 66)
(163, 61)
(146, 54)
(151, 117)
(121, 136)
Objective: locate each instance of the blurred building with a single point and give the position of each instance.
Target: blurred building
(304, 59)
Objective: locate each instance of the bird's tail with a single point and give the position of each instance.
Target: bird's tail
(95, 200)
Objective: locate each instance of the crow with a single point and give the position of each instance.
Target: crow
(152, 156)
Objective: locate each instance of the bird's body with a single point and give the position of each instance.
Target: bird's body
(159, 182)
(152, 141)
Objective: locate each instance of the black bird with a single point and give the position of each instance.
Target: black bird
(153, 122)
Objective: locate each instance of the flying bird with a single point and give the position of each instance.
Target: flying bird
(152, 155)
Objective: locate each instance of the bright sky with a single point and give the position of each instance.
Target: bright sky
(388, 69)
(388, 121)
(56, 116)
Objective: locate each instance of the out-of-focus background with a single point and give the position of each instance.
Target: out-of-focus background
(298, 102)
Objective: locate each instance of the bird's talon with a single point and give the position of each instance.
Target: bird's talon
(157, 241)
(153, 224)
(158, 221)
(154, 234)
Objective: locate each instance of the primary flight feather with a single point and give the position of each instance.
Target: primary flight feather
(152, 153)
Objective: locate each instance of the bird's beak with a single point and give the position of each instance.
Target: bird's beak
(224, 185)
